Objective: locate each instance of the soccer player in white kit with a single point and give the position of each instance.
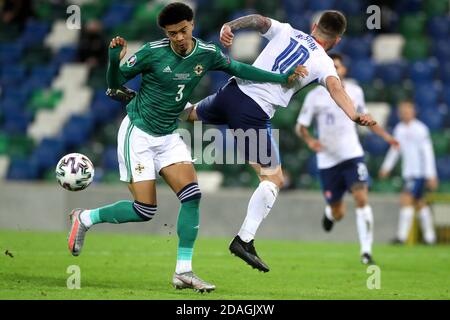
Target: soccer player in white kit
(249, 105)
(340, 156)
(418, 171)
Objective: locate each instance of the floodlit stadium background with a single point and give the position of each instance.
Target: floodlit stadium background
(52, 89)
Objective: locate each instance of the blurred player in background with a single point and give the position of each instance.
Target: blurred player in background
(340, 157)
(147, 146)
(247, 105)
(418, 172)
(92, 44)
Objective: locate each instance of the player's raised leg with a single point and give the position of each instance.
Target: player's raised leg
(137, 168)
(265, 160)
(181, 177)
(333, 212)
(332, 182)
(143, 208)
(364, 221)
(259, 207)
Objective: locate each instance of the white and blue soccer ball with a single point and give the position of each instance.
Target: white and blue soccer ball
(74, 172)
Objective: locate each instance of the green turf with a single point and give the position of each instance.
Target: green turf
(140, 267)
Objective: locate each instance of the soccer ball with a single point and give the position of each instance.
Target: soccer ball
(74, 172)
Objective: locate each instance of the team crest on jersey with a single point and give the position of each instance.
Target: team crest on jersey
(198, 69)
(139, 168)
(328, 194)
(131, 61)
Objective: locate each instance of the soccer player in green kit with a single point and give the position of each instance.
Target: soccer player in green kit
(147, 146)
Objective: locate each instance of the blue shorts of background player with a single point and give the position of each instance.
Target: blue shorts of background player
(415, 186)
(337, 180)
(230, 106)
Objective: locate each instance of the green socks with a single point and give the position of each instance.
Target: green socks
(127, 211)
(187, 230)
(119, 212)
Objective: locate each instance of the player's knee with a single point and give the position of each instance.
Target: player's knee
(144, 210)
(419, 204)
(338, 215)
(280, 181)
(189, 192)
(360, 196)
(406, 199)
(277, 179)
(360, 201)
(338, 212)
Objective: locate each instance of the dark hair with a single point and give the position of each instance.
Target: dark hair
(336, 56)
(332, 24)
(175, 13)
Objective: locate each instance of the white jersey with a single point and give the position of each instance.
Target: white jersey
(287, 48)
(337, 133)
(416, 150)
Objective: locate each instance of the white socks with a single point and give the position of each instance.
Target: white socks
(426, 224)
(329, 213)
(85, 218)
(183, 266)
(259, 207)
(364, 224)
(405, 223)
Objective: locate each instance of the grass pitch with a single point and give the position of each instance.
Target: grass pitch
(34, 266)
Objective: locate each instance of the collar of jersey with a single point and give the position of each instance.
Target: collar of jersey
(318, 42)
(190, 54)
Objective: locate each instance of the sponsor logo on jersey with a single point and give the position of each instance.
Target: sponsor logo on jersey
(198, 69)
(131, 61)
(167, 69)
(182, 76)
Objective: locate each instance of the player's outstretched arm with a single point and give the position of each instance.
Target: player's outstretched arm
(389, 162)
(429, 162)
(303, 133)
(385, 135)
(117, 50)
(248, 72)
(342, 99)
(253, 21)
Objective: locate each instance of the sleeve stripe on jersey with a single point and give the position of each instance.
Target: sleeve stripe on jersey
(160, 46)
(206, 45)
(157, 41)
(154, 43)
(213, 49)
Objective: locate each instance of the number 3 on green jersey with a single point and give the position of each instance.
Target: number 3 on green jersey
(179, 96)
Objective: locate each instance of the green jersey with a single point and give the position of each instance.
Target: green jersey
(168, 80)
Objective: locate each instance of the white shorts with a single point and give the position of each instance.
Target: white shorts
(141, 156)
